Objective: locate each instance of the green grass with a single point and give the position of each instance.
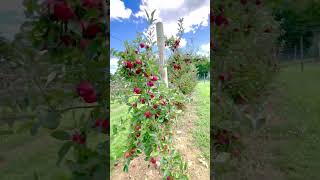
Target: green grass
(201, 132)
(119, 140)
(298, 156)
(22, 154)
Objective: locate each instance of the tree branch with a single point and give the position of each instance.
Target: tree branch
(77, 107)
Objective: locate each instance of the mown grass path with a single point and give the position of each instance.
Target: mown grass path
(286, 147)
(22, 154)
(201, 131)
(192, 138)
(298, 153)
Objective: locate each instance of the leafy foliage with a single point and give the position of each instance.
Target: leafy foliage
(62, 56)
(244, 36)
(182, 73)
(202, 64)
(298, 18)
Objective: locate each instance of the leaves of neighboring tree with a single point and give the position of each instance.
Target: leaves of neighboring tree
(49, 120)
(35, 127)
(61, 135)
(63, 151)
(150, 19)
(50, 78)
(101, 172)
(126, 168)
(6, 132)
(152, 15)
(299, 18)
(36, 176)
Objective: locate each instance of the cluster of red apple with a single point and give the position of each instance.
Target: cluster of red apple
(137, 135)
(176, 44)
(135, 67)
(221, 20)
(225, 77)
(151, 80)
(224, 137)
(138, 91)
(103, 125)
(62, 12)
(78, 138)
(87, 92)
(173, 46)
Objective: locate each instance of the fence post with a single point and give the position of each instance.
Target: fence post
(295, 52)
(301, 49)
(161, 49)
(319, 48)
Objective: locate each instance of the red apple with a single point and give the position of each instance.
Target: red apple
(147, 114)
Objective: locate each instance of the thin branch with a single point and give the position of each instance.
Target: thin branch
(77, 107)
(43, 94)
(23, 116)
(105, 10)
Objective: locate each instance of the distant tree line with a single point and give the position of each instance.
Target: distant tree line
(298, 19)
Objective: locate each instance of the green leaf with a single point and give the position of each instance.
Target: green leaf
(63, 151)
(166, 173)
(152, 15)
(93, 49)
(50, 78)
(52, 36)
(50, 120)
(61, 135)
(5, 132)
(147, 14)
(91, 13)
(185, 166)
(35, 176)
(25, 126)
(126, 168)
(139, 151)
(34, 129)
(101, 172)
(114, 129)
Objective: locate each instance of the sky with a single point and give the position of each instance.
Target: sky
(11, 17)
(127, 18)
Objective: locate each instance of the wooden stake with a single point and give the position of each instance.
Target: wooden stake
(161, 48)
